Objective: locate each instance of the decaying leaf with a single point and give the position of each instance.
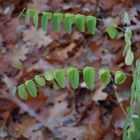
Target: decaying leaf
(17, 55)
(36, 37)
(99, 95)
(10, 84)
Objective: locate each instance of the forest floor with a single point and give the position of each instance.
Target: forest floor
(26, 51)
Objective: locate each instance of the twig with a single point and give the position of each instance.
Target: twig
(117, 97)
(120, 28)
(21, 13)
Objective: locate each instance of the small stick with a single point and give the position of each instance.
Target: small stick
(117, 97)
(20, 15)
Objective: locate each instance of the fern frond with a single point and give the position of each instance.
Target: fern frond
(83, 23)
(71, 74)
(68, 19)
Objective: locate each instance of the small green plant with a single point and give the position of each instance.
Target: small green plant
(132, 123)
(71, 74)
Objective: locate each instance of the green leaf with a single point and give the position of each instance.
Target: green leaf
(120, 77)
(126, 48)
(31, 87)
(137, 128)
(40, 80)
(89, 77)
(129, 57)
(80, 22)
(29, 13)
(73, 77)
(49, 75)
(60, 78)
(56, 21)
(68, 21)
(112, 32)
(128, 35)
(49, 14)
(27, 16)
(126, 18)
(138, 65)
(44, 22)
(35, 19)
(91, 24)
(22, 92)
(105, 76)
(32, 12)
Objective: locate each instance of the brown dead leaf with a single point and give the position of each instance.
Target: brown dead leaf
(61, 54)
(17, 129)
(99, 95)
(4, 68)
(38, 38)
(1, 39)
(6, 109)
(107, 5)
(118, 118)
(11, 85)
(111, 21)
(94, 129)
(56, 3)
(9, 31)
(40, 133)
(57, 114)
(37, 4)
(16, 55)
(73, 133)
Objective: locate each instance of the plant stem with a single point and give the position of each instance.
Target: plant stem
(117, 97)
(20, 15)
(120, 28)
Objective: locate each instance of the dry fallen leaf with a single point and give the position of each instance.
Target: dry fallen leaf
(99, 95)
(34, 37)
(57, 114)
(111, 21)
(9, 31)
(6, 110)
(94, 129)
(17, 55)
(16, 129)
(107, 5)
(10, 84)
(37, 4)
(4, 68)
(72, 133)
(1, 39)
(61, 54)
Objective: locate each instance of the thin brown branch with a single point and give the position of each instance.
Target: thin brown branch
(117, 97)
